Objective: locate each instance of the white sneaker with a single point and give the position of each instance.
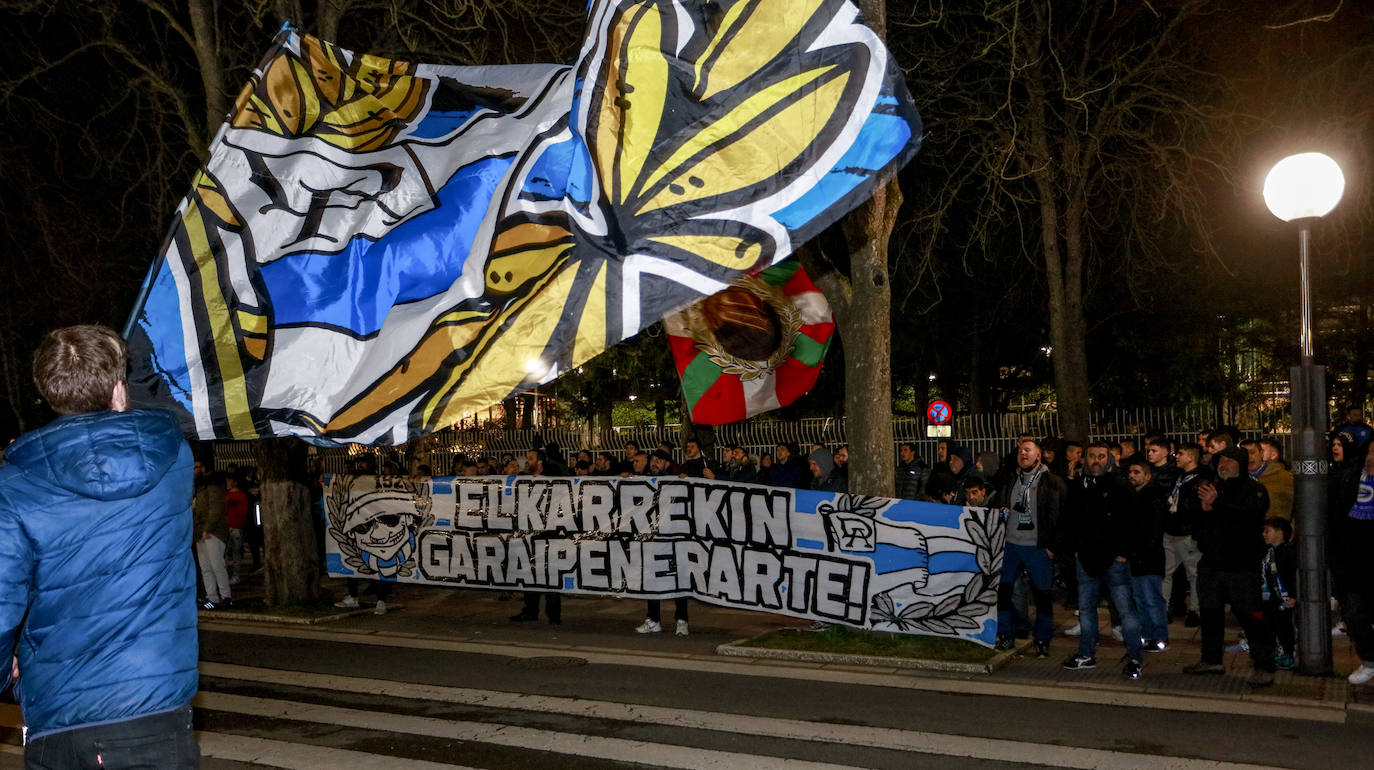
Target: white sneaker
(681, 628)
(1361, 675)
(1338, 629)
(348, 603)
(1242, 646)
(380, 609)
(648, 627)
(1117, 635)
(1074, 630)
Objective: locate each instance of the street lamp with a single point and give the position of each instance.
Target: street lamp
(1300, 189)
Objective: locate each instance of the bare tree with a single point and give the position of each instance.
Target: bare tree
(1088, 129)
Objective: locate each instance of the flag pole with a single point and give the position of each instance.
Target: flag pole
(147, 287)
(148, 279)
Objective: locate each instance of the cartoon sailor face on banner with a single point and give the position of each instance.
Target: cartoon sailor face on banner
(374, 519)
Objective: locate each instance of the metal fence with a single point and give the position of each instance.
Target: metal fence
(979, 432)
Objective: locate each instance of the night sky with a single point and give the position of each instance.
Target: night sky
(104, 118)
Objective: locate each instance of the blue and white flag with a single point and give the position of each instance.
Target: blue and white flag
(377, 248)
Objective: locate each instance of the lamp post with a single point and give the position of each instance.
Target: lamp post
(1301, 189)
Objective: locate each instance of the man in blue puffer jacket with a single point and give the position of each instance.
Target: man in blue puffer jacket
(97, 583)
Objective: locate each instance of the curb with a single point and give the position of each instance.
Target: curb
(740, 649)
(268, 617)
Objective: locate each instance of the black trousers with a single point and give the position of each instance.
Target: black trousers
(1357, 608)
(553, 605)
(354, 585)
(679, 609)
(155, 742)
(1218, 588)
(1280, 620)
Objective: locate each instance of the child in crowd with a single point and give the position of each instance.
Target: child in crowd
(1278, 593)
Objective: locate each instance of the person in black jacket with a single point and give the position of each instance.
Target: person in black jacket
(1033, 499)
(788, 469)
(694, 463)
(1183, 509)
(912, 473)
(1230, 536)
(1099, 528)
(1353, 530)
(823, 478)
(738, 466)
(1148, 508)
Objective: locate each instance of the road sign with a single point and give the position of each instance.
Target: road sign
(939, 412)
(938, 431)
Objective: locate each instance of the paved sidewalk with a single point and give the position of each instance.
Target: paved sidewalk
(607, 625)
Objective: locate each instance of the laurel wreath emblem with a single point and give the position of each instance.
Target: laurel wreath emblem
(961, 611)
(789, 317)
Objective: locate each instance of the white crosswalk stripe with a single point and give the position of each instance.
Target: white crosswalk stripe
(737, 666)
(660, 754)
(261, 751)
(498, 731)
(594, 747)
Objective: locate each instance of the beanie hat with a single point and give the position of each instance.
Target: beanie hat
(1237, 454)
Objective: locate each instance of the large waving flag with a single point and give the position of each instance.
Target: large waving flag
(755, 347)
(376, 248)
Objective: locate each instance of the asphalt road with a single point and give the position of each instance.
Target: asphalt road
(320, 697)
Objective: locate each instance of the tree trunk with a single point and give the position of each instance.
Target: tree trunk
(867, 331)
(211, 70)
(862, 304)
(1063, 264)
(977, 403)
(292, 574)
(605, 419)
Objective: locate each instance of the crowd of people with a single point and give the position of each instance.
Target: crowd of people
(225, 533)
(1125, 520)
(104, 635)
(1120, 521)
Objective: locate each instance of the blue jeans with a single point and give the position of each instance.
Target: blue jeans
(1118, 581)
(1037, 564)
(160, 740)
(1148, 592)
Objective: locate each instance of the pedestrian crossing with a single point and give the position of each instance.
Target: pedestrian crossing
(263, 717)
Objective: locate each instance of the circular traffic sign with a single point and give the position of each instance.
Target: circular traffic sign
(939, 412)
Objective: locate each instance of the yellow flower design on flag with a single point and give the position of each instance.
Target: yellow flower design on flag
(396, 245)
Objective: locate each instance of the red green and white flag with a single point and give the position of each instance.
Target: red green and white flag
(756, 346)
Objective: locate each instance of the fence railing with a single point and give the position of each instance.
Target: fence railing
(979, 432)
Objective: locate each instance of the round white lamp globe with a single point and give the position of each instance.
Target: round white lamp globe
(1306, 185)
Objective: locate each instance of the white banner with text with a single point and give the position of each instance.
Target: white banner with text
(868, 562)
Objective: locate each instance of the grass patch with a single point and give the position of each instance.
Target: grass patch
(311, 610)
(851, 641)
